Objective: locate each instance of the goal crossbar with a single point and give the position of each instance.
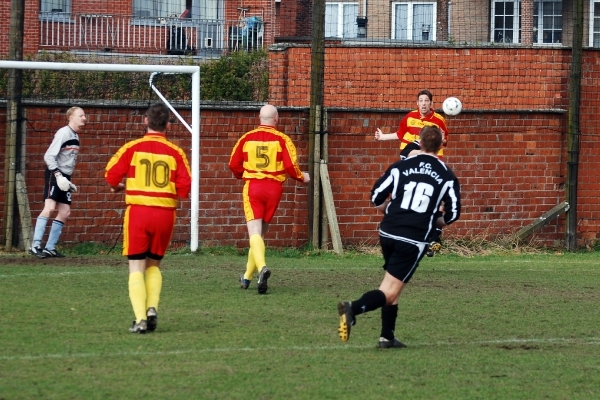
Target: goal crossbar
(195, 125)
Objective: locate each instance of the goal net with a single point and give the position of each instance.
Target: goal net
(114, 98)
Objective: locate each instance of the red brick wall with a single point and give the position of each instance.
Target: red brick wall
(4, 16)
(32, 25)
(294, 18)
(509, 177)
(96, 213)
(382, 77)
(508, 147)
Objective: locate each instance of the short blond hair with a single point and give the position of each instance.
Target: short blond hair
(71, 111)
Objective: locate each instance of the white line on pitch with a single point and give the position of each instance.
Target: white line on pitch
(586, 341)
(119, 270)
(99, 271)
(123, 270)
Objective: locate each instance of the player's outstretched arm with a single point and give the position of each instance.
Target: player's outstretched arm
(379, 135)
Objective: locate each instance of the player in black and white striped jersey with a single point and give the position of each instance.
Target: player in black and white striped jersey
(435, 238)
(409, 193)
(60, 159)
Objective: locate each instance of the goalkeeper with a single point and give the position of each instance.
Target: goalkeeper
(60, 159)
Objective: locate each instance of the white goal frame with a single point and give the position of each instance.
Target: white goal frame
(195, 124)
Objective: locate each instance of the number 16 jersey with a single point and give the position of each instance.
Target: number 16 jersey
(417, 186)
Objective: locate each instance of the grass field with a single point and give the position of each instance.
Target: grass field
(494, 327)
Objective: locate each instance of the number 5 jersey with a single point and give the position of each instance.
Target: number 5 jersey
(265, 153)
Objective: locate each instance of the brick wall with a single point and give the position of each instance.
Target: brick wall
(96, 213)
(508, 147)
(509, 175)
(383, 77)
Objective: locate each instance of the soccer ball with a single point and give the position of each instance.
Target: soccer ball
(452, 106)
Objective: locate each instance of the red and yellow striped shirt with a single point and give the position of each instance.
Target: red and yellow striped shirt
(156, 171)
(265, 153)
(413, 122)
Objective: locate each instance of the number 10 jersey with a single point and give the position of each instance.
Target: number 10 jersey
(156, 171)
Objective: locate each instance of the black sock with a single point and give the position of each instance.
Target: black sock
(368, 302)
(388, 321)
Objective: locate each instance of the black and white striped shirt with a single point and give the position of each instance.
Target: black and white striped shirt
(63, 151)
(417, 186)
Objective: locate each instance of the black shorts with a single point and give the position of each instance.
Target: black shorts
(401, 258)
(52, 191)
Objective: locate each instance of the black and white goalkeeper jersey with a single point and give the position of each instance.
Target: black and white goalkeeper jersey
(417, 186)
(62, 152)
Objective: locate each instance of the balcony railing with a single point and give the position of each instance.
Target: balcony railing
(145, 35)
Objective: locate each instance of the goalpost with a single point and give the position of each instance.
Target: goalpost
(173, 69)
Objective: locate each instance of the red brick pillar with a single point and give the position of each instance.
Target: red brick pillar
(527, 22)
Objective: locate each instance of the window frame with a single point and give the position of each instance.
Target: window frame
(540, 24)
(340, 18)
(152, 19)
(410, 18)
(56, 16)
(516, 23)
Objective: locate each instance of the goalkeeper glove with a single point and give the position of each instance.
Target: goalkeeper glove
(63, 183)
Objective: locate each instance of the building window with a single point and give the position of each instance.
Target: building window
(413, 21)
(340, 20)
(547, 22)
(162, 9)
(595, 24)
(207, 9)
(55, 6)
(506, 21)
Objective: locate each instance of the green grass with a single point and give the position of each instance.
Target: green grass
(494, 327)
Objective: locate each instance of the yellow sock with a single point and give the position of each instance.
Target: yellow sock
(137, 295)
(153, 286)
(257, 246)
(250, 266)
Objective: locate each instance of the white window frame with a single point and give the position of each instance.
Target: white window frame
(172, 8)
(208, 9)
(591, 29)
(340, 18)
(409, 33)
(516, 23)
(47, 13)
(540, 26)
(46, 6)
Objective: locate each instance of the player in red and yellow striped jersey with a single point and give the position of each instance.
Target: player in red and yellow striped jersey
(156, 174)
(409, 135)
(263, 157)
(414, 121)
